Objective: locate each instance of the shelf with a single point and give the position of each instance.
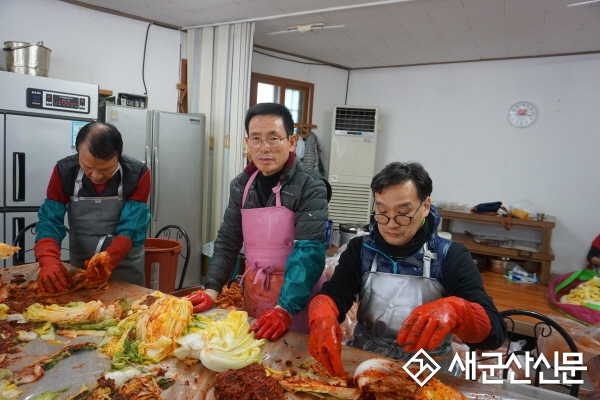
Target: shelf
(498, 251)
(548, 223)
(545, 256)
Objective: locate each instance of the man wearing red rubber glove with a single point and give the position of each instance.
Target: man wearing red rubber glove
(415, 288)
(104, 194)
(278, 210)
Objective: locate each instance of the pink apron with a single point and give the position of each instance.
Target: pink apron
(269, 234)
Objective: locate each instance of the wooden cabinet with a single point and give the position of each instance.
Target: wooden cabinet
(545, 256)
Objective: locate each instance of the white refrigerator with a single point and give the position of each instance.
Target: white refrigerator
(172, 146)
(39, 119)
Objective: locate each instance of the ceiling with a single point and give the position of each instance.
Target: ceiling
(389, 33)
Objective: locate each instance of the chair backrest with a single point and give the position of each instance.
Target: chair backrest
(19, 256)
(181, 236)
(542, 328)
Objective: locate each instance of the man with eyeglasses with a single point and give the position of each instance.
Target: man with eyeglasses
(415, 289)
(278, 210)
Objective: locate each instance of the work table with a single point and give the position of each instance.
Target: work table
(195, 381)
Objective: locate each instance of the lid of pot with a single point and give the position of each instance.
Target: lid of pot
(351, 228)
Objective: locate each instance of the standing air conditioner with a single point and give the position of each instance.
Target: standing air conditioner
(352, 163)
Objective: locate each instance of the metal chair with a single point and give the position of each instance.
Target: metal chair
(543, 328)
(180, 235)
(19, 256)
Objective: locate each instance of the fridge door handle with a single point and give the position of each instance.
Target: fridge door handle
(147, 156)
(18, 176)
(156, 185)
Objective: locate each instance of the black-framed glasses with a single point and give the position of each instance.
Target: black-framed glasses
(272, 142)
(400, 219)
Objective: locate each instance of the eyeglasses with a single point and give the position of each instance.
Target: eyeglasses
(272, 142)
(400, 219)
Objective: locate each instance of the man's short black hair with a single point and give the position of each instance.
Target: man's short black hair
(104, 140)
(396, 173)
(275, 109)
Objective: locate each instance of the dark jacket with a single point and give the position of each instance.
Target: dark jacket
(302, 192)
(459, 277)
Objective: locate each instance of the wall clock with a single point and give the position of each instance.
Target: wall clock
(522, 114)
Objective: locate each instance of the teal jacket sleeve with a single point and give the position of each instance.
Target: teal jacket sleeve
(135, 218)
(303, 268)
(51, 221)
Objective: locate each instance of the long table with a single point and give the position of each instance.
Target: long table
(195, 381)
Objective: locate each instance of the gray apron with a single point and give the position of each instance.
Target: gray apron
(92, 225)
(386, 302)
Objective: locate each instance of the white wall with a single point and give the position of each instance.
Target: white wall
(99, 48)
(330, 89)
(453, 119)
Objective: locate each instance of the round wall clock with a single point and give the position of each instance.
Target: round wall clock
(522, 114)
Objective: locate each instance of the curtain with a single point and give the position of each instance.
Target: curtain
(219, 68)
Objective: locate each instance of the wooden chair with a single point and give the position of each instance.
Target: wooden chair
(543, 328)
(181, 236)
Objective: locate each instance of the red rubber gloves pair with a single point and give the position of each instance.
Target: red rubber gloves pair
(272, 324)
(428, 324)
(53, 276)
(117, 250)
(325, 340)
(202, 300)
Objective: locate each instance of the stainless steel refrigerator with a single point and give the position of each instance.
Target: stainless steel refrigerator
(172, 145)
(39, 119)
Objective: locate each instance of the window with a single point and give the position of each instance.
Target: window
(297, 96)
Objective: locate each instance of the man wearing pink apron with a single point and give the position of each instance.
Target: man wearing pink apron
(415, 289)
(278, 210)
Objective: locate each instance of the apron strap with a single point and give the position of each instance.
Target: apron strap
(79, 184)
(247, 188)
(427, 257)
(263, 273)
(277, 190)
(426, 261)
(120, 190)
(101, 242)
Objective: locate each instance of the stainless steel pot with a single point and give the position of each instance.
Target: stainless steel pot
(348, 231)
(27, 58)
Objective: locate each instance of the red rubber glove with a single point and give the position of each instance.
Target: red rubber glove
(202, 300)
(325, 340)
(117, 250)
(272, 324)
(428, 324)
(53, 276)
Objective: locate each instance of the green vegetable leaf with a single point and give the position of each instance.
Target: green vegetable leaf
(130, 353)
(165, 383)
(50, 395)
